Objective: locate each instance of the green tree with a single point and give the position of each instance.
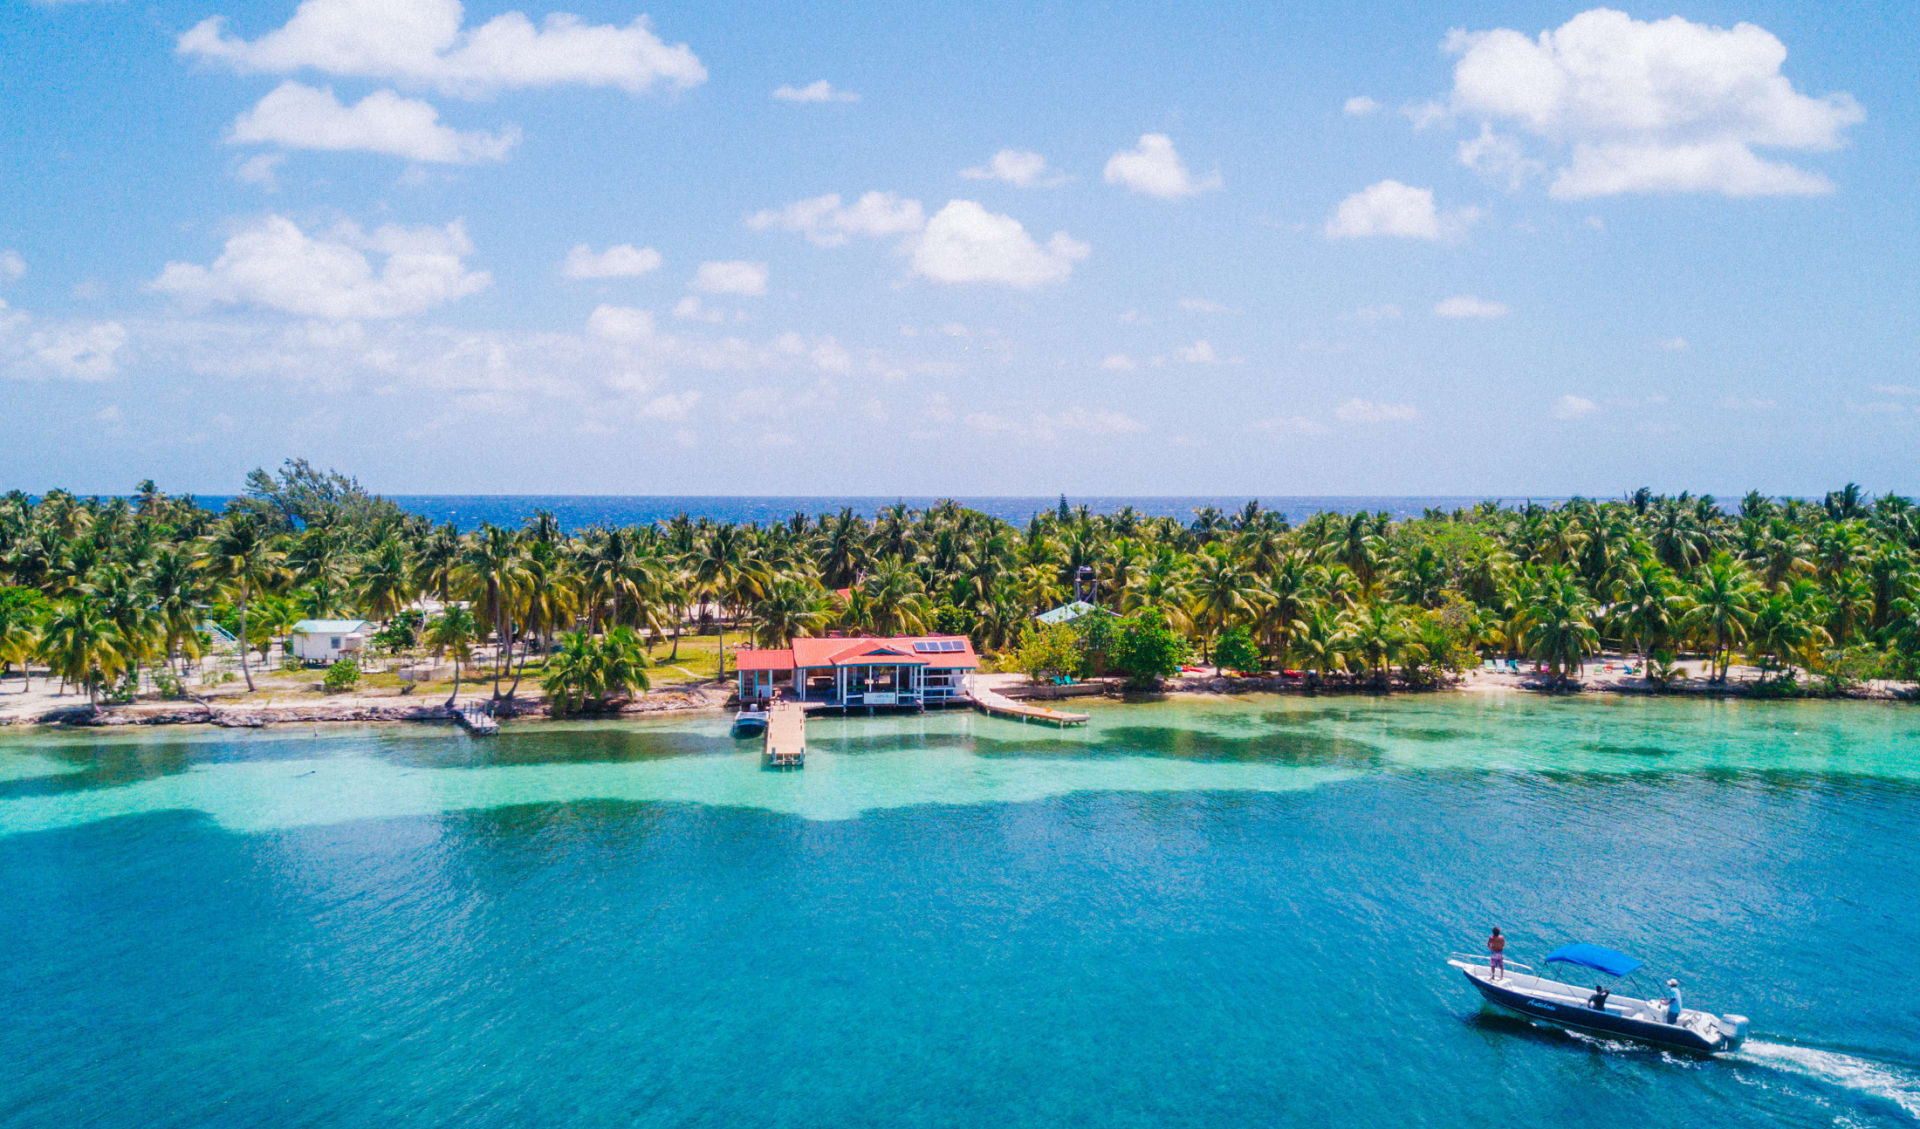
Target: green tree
(1148, 649)
(83, 647)
(589, 672)
(1234, 650)
(242, 556)
(1048, 651)
(453, 632)
(1557, 624)
(1722, 608)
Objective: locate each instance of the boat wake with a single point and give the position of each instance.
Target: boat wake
(1864, 1076)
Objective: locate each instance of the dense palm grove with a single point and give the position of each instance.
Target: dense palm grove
(1815, 594)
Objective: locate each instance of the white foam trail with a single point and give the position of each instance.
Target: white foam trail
(1876, 1079)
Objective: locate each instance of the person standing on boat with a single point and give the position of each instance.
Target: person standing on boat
(1673, 1001)
(1496, 955)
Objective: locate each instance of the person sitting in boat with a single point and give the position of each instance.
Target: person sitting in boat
(1673, 1001)
(1598, 1001)
(1496, 955)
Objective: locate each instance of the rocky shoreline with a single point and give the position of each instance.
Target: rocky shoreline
(708, 698)
(355, 711)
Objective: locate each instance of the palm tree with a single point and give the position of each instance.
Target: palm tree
(1557, 623)
(83, 647)
(1372, 634)
(1785, 628)
(386, 580)
(791, 607)
(723, 571)
(588, 671)
(452, 632)
(1647, 606)
(240, 554)
(894, 602)
(1721, 609)
(19, 641)
(179, 596)
(1222, 593)
(493, 575)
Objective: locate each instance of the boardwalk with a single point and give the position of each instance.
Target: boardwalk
(786, 735)
(476, 719)
(999, 705)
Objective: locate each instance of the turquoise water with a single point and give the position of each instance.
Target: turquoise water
(1205, 913)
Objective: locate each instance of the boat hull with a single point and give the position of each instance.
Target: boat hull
(1665, 1035)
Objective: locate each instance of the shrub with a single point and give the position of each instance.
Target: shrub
(1148, 650)
(951, 620)
(168, 685)
(588, 673)
(402, 632)
(1099, 634)
(1234, 651)
(342, 676)
(1048, 652)
(1663, 671)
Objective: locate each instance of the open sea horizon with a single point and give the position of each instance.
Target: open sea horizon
(587, 511)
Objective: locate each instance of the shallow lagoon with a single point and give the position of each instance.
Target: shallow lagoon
(1204, 912)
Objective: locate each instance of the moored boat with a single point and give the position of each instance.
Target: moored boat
(750, 723)
(1522, 991)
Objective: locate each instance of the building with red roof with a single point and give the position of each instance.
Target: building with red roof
(865, 670)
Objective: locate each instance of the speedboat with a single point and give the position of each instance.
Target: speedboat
(750, 723)
(1524, 992)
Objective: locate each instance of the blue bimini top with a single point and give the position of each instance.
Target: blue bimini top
(1596, 958)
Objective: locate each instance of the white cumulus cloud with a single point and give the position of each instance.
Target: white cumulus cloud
(295, 116)
(734, 276)
(1637, 106)
(79, 352)
(12, 266)
(826, 222)
(1018, 167)
(622, 260)
(964, 242)
(1395, 209)
(819, 90)
(425, 42)
(1468, 306)
(1154, 168)
(1570, 406)
(1360, 106)
(275, 265)
(621, 323)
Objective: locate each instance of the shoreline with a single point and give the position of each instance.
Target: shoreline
(693, 699)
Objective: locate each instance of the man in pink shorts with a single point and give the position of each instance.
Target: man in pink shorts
(1497, 955)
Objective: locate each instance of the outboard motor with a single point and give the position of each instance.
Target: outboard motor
(1734, 1028)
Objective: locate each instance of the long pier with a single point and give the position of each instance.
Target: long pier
(996, 704)
(786, 735)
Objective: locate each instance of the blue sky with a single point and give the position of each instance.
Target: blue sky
(693, 248)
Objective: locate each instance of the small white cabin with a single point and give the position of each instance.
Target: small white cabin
(329, 640)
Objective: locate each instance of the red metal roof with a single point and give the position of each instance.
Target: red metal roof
(763, 660)
(858, 650)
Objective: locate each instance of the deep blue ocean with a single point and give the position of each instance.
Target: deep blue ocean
(606, 511)
(1218, 914)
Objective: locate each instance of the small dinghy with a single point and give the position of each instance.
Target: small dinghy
(1522, 991)
(750, 723)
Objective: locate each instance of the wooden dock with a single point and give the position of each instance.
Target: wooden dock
(786, 735)
(476, 719)
(995, 704)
